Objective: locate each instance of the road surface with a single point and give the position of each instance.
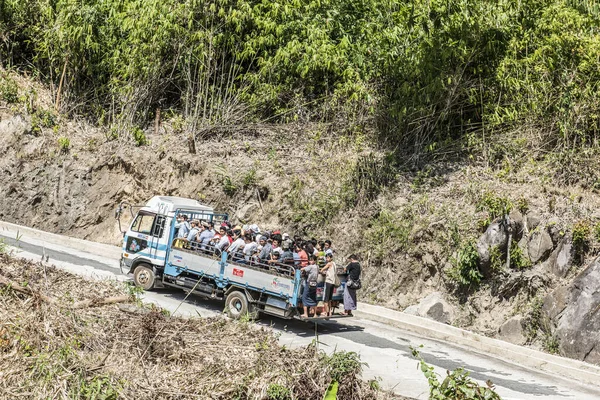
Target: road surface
(386, 350)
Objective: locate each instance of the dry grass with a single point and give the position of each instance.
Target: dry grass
(51, 350)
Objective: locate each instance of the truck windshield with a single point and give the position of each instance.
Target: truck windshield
(143, 223)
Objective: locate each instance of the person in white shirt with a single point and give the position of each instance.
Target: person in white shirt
(237, 246)
(249, 248)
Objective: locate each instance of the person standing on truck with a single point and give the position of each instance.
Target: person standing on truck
(352, 284)
(309, 296)
(183, 226)
(330, 271)
(302, 255)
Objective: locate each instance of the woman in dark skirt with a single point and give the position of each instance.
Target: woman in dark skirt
(353, 270)
(309, 296)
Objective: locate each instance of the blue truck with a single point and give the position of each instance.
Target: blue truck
(157, 258)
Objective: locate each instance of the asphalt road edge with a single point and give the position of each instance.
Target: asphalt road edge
(523, 356)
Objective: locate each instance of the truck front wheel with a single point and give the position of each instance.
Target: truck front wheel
(144, 277)
(236, 304)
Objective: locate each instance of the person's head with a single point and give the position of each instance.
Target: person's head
(276, 255)
(247, 238)
(327, 245)
(285, 236)
(211, 225)
(222, 230)
(329, 257)
(275, 243)
(353, 258)
(229, 232)
(185, 217)
(262, 240)
(311, 259)
(205, 225)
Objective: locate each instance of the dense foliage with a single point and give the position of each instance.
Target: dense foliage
(426, 71)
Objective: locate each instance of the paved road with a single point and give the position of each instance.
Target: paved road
(386, 350)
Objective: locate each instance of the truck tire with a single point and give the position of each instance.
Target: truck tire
(236, 304)
(144, 277)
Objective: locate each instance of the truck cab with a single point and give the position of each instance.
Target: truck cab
(146, 241)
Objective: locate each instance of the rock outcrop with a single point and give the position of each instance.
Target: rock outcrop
(575, 310)
(512, 330)
(433, 307)
(540, 246)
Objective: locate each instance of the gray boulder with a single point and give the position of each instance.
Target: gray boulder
(494, 236)
(435, 307)
(533, 220)
(540, 246)
(512, 330)
(575, 310)
(561, 260)
(517, 224)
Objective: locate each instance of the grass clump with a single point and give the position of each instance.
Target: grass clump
(390, 233)
(465, 266)
(64, 144)
(494, 205)
(582, 231)
(9, 90)
(276, 391)
(139, 137)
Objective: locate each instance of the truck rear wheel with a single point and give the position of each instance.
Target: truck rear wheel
(144, 277)
(236, 304)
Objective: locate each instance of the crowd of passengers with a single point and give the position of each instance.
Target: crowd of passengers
(248, 245)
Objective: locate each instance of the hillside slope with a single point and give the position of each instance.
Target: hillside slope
(413, 227)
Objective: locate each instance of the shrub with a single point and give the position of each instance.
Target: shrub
(63, 144)
(456, 386)
(276, 391)
(139, 137)
(9, 91)
(465, 266)
(496, 206)
(581, 239)
(342, 363)
(517, 257)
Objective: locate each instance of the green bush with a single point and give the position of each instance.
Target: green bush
(465, 266)
(64, 144)
(496, 206)
(342, 363)
(9, 91)
(278, 392)
(581, 239)
(456, 386)
(139, 137)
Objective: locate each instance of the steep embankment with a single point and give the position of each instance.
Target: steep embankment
(62, 336)
(415, 229)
